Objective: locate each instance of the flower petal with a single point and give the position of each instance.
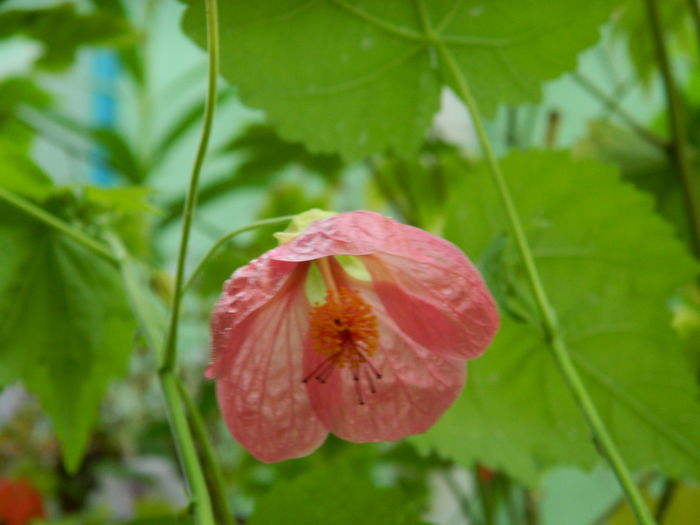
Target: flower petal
(249, 288)
(416, 385)
(259, 363)
(445, 309)
(428, 286)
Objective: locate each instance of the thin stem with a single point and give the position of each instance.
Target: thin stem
(550, 326)
(679, 146)
(47, 218)
(223, 240)
(191, 200)
(619, 504)
(670, 488)
(211, 465)
(199, 496)
(612, 104)
(151, 324)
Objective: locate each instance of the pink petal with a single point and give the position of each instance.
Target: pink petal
(429, 288)
(446, 309)
(259, 330)
(249, 288)
(416, 387)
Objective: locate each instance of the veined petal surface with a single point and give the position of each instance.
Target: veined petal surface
(259, 369)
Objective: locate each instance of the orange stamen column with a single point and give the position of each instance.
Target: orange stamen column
(344, 328)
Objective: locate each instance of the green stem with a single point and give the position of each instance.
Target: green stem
(190, 202)
(559, 348)
(223, 240)
(670, 488)
(151, 323)
(47, 218)
(211, 465)
(613, 105)
(199, 495)
(679, 145)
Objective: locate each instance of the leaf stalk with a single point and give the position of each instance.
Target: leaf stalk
(550, 326)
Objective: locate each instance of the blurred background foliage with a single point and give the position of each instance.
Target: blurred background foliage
(101, 104)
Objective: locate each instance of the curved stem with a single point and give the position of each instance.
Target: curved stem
(217, 482)
(47, 218)
(190, 202)
(679, 145)
(223, 240)
(557, 344)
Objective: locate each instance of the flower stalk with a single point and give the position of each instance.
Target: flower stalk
(182, 434)
(191, 199)
(550, 326)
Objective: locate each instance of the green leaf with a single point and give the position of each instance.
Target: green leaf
(359, 76)
(20, 174)
(65, 326)
(609, 265)
(648, 167)
(16, 92)
(119, 154)
(62, 31)
(342, 493)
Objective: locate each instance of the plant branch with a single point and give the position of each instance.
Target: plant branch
(151, 323)
(47, 218)
(223, 240)
(670, 488)
(559, 348)
(611, 104)
(679, 145)
(191, 200)
(217, 483)
(199, 496)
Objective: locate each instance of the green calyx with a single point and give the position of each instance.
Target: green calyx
(300, 222)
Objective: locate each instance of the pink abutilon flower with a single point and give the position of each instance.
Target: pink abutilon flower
(359, 326)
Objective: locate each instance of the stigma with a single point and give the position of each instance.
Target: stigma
(344, 329)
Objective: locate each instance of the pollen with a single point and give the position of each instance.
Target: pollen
(344, 328)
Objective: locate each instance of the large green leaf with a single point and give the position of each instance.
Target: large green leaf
(359, 76)
(341, 493)
(65, 325)
(609, 265)
(648, 167)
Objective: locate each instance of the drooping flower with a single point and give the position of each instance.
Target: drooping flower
(20, 502)
(357, 325)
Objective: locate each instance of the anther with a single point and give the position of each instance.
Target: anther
(360, 400)
(317, 371)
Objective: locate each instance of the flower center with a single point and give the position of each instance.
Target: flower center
(345, 329)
